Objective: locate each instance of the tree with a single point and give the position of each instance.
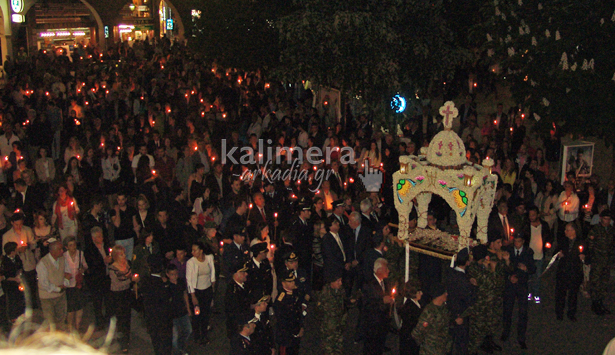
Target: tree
(557, 59)
(368, 48)
(238, 33)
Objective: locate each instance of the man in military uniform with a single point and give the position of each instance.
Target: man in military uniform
(432, 329)
(303, 232)
(260, 278)
(235, 254)
(333, 312)
(483, 271)
(290, 314)
(237, 298)
(241, 340)
(304, 289)
(502, 264)
(262, 339)
(599, 256)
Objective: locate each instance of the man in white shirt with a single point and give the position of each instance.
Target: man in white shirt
(567, 209)
(53, 278)
(7, 140)
(540, 242)
(142, 153)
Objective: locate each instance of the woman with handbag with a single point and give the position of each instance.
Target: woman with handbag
(76, 266)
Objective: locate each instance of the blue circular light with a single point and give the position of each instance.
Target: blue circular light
(398, 104)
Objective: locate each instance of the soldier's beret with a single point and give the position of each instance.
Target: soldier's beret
(493, 236)
(258, 248)
(333, 275)
(291, 256)
(241, 268)
(209, 225)
(480, 252)
(463, 253)
(288, 276)
(438, 290)
(339, 203)
(606, 213)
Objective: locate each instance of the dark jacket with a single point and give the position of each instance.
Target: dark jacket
(357, 246)
(526, 258)
(570, 268)
(461, 295)
(333, 257)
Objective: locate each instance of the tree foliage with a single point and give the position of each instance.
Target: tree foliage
(557, 58)
(370, 48)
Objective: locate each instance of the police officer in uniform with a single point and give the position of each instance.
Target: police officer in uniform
(304, 289)
(241, 340)
(262, 339)
(234, 254)
(237, 299)
(260, 278)
(303, 232)
(290, 314)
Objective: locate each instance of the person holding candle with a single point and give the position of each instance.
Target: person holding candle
(567, 208)
(75, 299)
(180, 309)
(540, 239)
(11, 269)
(121, 280)
(518, 274)
(53, 278)
(147, 246)
(569, 275)
(65, 211)
(26, 244)
(201, 279)
(97, 278)
(376, 311)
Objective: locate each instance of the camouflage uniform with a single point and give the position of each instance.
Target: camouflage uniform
(496, 311)
(333, 322)
(432, 330)
(600, 253)
(482, 315)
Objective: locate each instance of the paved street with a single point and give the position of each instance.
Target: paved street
(545, 334)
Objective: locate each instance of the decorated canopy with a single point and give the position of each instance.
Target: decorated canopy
(443, 169)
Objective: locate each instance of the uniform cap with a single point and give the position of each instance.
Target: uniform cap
(241, 268)
(480, 252)
(258, 248)
(291, 256)
(339, 203)
(289, 276)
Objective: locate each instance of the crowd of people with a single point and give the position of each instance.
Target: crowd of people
(116, 189)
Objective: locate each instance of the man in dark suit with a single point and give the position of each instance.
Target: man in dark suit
(359, 241)
(217, 182)
(607, 195)
(26, 200)
(373, 254)
(97, 257)
(338, 212)
(375, 313)
(499, 223)
(333, 250)
(461, 298)
(259, 215)
(336, 178)
(237, 219)
(366, 214)
(521, 267)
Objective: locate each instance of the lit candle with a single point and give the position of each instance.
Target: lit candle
(21, 288)
(197, 311)
(272, 247)
(213, 158)
(495, 122)
(548, 245)
(221, 243)
(78, 157)
(196, 148)
(250, 206)
(110, 250)
(393, 292)
(136, 276)
(351, 180)
(21, 242)
(275, 215)
(17, 210)
(512, 230)
(580, 248)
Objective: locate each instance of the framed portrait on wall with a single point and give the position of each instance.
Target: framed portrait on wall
(577, 158)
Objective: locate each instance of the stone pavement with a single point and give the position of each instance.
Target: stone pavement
(545, 334)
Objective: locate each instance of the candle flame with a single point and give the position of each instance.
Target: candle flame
(21, 288)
